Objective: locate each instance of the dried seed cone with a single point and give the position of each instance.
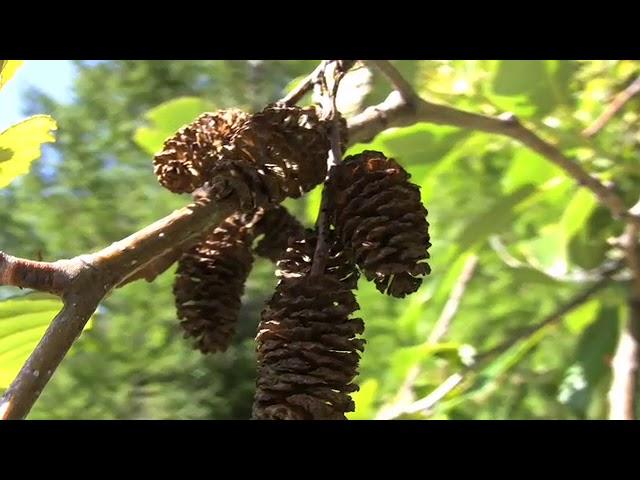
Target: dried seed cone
(297, 260)
(308, 351)
(277, 153)
(379, 215)
(187, 158)
(210, 282)
(278, 226)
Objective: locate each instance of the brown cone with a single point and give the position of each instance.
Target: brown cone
(277, 153)
(210, 282)
(297, 260)
(308, 351)
(184, 164)
(278, 226)
(379, 215)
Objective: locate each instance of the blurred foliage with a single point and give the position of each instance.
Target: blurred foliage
(531, 227)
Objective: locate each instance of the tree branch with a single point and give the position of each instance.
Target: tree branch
(396, 112)
(330, 82)
(84, 281)
(44, 276)
(618, 102)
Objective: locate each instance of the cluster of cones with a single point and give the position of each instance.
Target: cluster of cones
(308, 344)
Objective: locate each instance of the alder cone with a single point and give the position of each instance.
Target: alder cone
(297, 260)
(278, 226)
(210, 282)
(378, 213)
(277, 153)
(308, 351)
(186, 159)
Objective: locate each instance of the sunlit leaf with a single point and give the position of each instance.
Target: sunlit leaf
(312, 206)
(405, 358)
(578, 212)
(166, 118)
(582, 316)
(420, 144)
(593, 354)
(548, 251)
(531, 87)
(364, 400)
(528, 168)
(23, 321)
(494, 219)
(8, 69)
(20, 145)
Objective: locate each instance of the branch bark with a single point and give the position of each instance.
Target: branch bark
(329, 90)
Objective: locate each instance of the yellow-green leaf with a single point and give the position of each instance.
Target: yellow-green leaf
(8, 69)
(20, 145)
(364, 400)
(23, 321)
(166, 118)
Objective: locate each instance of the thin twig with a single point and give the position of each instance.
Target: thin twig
(618, 102)
(428, 402)
(329, 94)
(295, 95)
(450, 309)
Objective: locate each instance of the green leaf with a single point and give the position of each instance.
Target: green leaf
(312, 206)
(528, 168)
(494, 219)
(578, 212)
(364, 400)
(165, 119)
(420, 144)
(583, 316)
(548, 251)
(20, 146)
(8, 69)
(531, 87)
(405, 358)
(23, 321)
(595, 348)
